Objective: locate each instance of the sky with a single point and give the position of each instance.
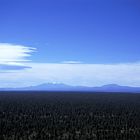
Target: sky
(75, 42)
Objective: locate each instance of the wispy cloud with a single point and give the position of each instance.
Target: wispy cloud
(4, 67)
(12, 56)
(71, 62)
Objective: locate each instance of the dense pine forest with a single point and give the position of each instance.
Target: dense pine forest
(69, 116)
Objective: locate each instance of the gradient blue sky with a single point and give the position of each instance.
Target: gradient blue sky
(92, 31)
(102, 32)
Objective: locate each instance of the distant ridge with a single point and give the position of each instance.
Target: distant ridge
(63, 87)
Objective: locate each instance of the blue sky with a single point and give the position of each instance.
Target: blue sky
(102, 34)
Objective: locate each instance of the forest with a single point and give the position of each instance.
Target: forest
(69, 116)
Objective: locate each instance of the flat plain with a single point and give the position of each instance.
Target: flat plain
(69, 116)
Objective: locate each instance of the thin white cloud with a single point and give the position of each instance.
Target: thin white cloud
(71, 62)
(74, 74)
(10, 53)
(12, 56)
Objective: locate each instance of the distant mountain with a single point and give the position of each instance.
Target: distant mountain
(49, 87)
(117, 88)
(63, 87)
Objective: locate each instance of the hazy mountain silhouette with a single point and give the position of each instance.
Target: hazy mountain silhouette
(117, 88)
(63, 87)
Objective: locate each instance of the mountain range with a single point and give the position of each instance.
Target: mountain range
(63, 87)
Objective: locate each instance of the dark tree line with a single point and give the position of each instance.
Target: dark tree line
(69, 116)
